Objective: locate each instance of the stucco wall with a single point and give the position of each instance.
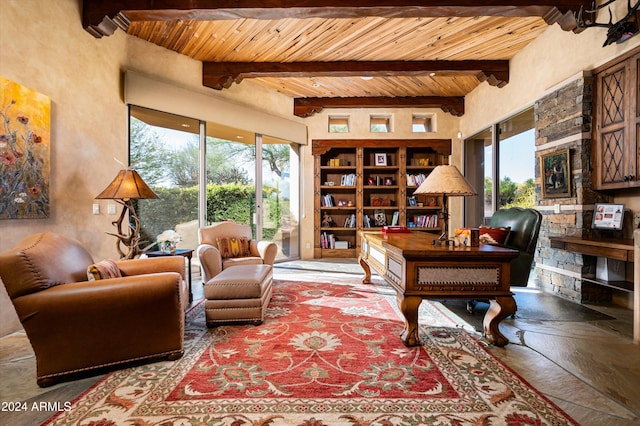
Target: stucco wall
(46, 49)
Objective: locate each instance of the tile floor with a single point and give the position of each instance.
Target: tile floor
(589, 369)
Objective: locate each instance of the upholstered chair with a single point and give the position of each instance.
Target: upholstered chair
(524, 228)
(225, 244)
(130, 310)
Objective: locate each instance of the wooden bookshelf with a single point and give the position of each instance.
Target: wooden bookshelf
(365, 184)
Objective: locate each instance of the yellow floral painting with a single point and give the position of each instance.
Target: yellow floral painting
(24, 152)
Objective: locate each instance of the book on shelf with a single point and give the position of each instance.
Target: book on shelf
(415, 180)
(395, 218)
(425, 221)
(327, 200)
(327, 241)
(350, 221)
(348, 180)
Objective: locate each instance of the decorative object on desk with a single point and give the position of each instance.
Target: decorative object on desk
(556, 174)
(168, 241)
(380, 159)
(469, 237)
(24, 152)
(127, 186)
(448, 181)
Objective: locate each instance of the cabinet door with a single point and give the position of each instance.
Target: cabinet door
(615, 156)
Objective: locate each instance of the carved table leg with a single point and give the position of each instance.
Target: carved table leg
(367, 270)
(499, 309)
(409, 308)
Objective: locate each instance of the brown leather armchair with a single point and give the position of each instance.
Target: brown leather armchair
(209, 253)
(75, 325)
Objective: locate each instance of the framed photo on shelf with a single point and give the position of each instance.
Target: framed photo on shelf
(380, 158)
(556, 174)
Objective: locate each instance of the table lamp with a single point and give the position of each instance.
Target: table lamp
(448, 181)
(127, 186)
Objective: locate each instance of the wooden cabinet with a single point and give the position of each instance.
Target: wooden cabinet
(366, 184)
(616, 129)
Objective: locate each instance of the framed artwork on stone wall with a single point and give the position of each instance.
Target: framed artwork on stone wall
(556, 174)
(24, 152)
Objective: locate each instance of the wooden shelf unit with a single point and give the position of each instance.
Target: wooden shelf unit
(616, 249)
(354, 187)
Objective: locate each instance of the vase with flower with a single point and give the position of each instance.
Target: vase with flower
(168, 241)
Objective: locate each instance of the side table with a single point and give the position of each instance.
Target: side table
(187, 253)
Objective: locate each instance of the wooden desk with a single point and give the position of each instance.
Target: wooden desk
(186, 253)
(418, 270)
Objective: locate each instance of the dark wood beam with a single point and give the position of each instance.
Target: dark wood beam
(220, 75)
(103, 17)
(305, 107)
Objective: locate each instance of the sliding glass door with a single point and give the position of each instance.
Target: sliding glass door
(230, 164)
(500, 163)
(280, 195)
(207, 172)
(164, 150)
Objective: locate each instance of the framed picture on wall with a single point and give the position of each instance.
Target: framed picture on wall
(556, 174)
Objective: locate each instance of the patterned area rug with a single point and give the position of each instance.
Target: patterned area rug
(328, 354)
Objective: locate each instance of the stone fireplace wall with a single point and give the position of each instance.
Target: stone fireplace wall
(563, 120)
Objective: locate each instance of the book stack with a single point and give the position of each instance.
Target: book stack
(348, 180)
(327, 200)
(426, 221)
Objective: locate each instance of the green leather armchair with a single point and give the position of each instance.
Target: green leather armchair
(525, 228)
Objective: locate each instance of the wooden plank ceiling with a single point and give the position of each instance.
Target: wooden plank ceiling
(393, 53)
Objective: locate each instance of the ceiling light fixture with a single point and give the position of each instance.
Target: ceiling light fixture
(366, 77)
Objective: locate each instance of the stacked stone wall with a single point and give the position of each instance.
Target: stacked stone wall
(563, 120)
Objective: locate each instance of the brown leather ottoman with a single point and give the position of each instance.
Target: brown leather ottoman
(238, 294)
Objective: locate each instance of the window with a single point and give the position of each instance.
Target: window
(380, 124)
(421, 123)
(500, 163)
(205, 172)
(338, 124)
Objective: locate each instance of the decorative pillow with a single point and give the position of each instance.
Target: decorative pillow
(494, 234)
(233, 247)
(102, 270)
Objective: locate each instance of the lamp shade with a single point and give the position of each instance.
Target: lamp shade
(446, 180)
(127, 185)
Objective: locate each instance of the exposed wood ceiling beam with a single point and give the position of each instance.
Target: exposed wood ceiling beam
(220, 75)
(304, 107)
(103, 17)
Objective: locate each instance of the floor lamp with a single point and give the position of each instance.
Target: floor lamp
(127, 186)
(446, 181)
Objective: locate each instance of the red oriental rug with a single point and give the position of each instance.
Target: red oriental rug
(327, 354)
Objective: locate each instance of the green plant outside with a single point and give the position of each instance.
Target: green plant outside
(232, 201)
